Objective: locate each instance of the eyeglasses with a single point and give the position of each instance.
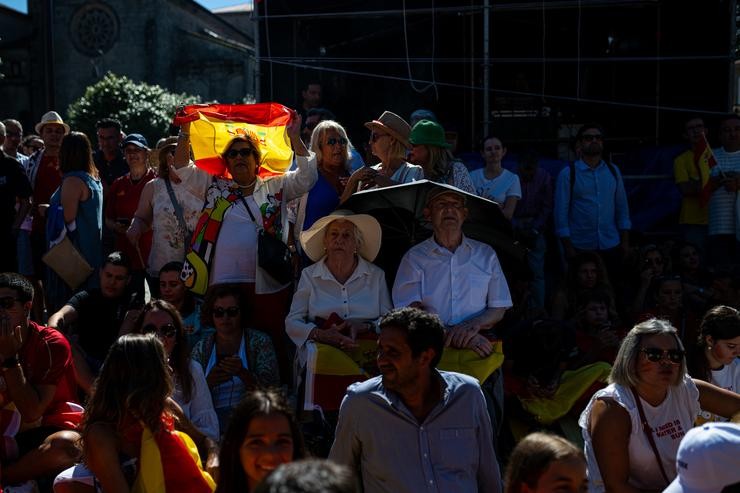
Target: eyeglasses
(231, 312)
(375, 136)
(655, 355)
(8, 302)
(592, 137)
(167, 330)
(243, 152)
(332, 141)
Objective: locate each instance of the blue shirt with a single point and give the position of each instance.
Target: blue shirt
(451, 451)
(599, 209)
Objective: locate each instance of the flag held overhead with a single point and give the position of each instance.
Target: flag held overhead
(212, 126)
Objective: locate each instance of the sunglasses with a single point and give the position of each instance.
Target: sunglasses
(167, 330)
(655, 355)
(591, 138)
(341, 141)
(8, 302)
(374, 136)
(231, 312)
(244, 152)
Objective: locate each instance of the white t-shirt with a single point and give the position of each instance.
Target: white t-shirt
(235, 258)
(727, 377)
(670, 420)
(498, 189)
(199, 409)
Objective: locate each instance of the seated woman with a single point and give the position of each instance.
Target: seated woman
(234, 358)
(697, 280)
(191, 390)
(173, 290)
(651, 265)
(130, 417)
(343, 294)
(586, 272)
(633, 427)
(667, 294)
(431, 151)
(262, 434)
(542, 463)
(714, 357)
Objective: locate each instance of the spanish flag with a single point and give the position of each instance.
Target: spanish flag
(212, 126)
(704, 161)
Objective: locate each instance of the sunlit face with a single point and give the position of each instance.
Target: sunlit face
(587, 275)
(380, 143)
(113, 280)
(241, 162)
(561, 476)
(227, 315)
(447, 212)
(269, 443)
(723, 351)
(136, 157)
(52, 134)
(596, 314)
(662, 373)
(108, 140)
(171, 288)
(340, 238)
(333, 149)
(419, 155)
(493, 151)
(670, 295)
(160, 323)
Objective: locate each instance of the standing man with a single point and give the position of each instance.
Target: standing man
(723, 184)
(15, 192)
(13, 138)
(109, 157)
(691, 175)
(310, 98)
(591, 211)
(415, 428)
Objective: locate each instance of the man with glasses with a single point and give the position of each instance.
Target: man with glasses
(591, 211)
(38, 379)
(109, 157)
(15, 192)
(94, 319)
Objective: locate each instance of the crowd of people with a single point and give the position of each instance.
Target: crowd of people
(163, 328)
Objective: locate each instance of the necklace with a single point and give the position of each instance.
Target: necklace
(247, 186)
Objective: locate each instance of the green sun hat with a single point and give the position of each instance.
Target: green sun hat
(427, 132)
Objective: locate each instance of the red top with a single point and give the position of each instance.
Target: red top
(48, 179)
(122, 201)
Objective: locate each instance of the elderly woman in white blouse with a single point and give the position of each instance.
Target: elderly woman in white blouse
(343, 294)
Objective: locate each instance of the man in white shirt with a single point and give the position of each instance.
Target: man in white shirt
(457, 278)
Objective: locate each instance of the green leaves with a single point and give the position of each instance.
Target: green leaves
(140, 107)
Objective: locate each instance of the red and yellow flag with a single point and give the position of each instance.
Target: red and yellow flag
(212, 126)
(704, 161)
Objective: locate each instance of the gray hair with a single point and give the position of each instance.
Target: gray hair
(318, 135)
(2, 129)
(624, 371)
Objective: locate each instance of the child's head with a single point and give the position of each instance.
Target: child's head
(593, 309)
(261, 435)
(542, 463)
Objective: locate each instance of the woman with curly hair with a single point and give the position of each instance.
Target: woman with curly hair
(262, 434)
(191, 390)
(129, 420)
(586, 272)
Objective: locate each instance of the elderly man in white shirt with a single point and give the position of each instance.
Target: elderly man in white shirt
(457, 278)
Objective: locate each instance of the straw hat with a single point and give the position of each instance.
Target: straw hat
(165, 145)
(312, 240)
(51, 117)
(394, 125)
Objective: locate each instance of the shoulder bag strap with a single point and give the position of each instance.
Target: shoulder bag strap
(649, 433)
(249, 211)
(178, 208)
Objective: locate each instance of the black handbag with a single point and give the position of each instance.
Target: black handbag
(273, 256)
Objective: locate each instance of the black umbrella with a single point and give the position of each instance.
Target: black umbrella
(400, 211)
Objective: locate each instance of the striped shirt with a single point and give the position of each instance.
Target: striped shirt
(722, 202)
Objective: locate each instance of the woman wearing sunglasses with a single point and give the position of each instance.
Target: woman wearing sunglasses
(632, 428)
(234, 358)
(240, 206)
(160, 318)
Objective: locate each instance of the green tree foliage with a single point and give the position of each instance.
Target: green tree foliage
(140, 107)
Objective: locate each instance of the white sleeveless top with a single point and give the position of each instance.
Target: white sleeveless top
(670, 421)
(728, 378)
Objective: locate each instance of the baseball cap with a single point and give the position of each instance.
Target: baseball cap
(708, 459)
(136, 139)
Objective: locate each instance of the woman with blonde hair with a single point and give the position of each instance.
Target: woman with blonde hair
(430, 150)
